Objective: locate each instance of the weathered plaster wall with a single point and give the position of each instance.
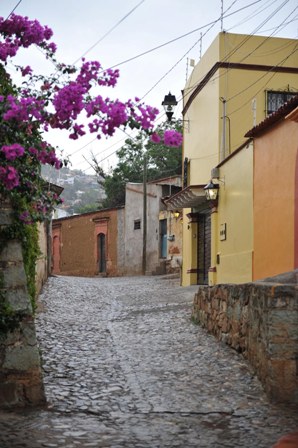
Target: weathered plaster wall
(20, 371)
(259, 320)
(134, 237)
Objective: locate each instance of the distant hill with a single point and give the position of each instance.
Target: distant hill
(81, 193)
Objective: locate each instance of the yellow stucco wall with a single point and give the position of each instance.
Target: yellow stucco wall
(235, 214)
(274, 200)
(203, 119)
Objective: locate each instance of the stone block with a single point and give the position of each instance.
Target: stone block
(283, 317)
(215, 303)
(5, 216)
(12, 251)
(18, 299)
(21, 357)
(35, 394)
(14, 276)
(282, 382)
(282, 350)
(11, 394)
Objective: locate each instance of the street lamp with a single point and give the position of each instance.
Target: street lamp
(169, 103)
(211, 191)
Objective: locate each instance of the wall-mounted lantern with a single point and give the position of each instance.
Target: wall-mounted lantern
(211, 191)
(176, 214)
(169, 103)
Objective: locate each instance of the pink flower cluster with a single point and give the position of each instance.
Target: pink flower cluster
(18, 31)
(25, 217)
(69, 103)
(170, 138)
(9, 177)
(113, 115)
(11, 152)
(51, 102)
(23, 109)
(146, 117)
(45, 155)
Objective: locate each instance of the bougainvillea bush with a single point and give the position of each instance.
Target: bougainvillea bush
(69, 99)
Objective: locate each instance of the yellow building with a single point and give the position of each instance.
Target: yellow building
(237, 83)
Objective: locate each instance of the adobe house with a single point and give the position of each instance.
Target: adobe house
(89, 244)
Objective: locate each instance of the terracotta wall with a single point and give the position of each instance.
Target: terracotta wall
(275, 189)
(75, 243)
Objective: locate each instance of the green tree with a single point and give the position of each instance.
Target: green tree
(162, 161)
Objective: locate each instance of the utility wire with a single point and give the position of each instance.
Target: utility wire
(108, 32)
(185, 54)
(246, 39)
(261, 77)
(255, 13)
(242, 43)
(20, 1)
(239, 46)
(182, 36)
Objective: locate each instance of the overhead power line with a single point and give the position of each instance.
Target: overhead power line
(243, 41)
(279, 64)
(185, 54)
(20, 1)
(182, 36)
(227, 56)
(108, 32)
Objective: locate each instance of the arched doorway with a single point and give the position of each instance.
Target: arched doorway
(101, 247)
(56, 255)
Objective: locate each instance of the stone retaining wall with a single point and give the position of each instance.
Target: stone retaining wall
(259, 320)
(20, 372)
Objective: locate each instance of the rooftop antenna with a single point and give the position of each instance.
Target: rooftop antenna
(186, 76)
(189, 63)
(201, 38)
(221, 17)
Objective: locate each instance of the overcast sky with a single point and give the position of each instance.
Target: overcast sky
(119, 30)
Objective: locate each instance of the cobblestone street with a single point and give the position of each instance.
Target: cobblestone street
(124, 366)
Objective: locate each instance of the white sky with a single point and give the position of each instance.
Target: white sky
(78, 25)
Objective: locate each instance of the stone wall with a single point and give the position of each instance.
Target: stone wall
(259, 320)
(20, 371)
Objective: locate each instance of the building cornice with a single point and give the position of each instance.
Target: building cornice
(235, 66)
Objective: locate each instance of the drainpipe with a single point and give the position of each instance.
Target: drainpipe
(144, 261)
(224, 119)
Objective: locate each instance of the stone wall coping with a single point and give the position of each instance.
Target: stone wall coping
(285, 278)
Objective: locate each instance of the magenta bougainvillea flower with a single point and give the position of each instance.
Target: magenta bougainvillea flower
(155, 138)
(9, 176)
(11, 152)
(60, 101)
(172, 138)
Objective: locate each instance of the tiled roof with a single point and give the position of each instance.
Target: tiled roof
(274, 118)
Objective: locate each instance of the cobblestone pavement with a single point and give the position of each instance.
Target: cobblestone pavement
(124, 366)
